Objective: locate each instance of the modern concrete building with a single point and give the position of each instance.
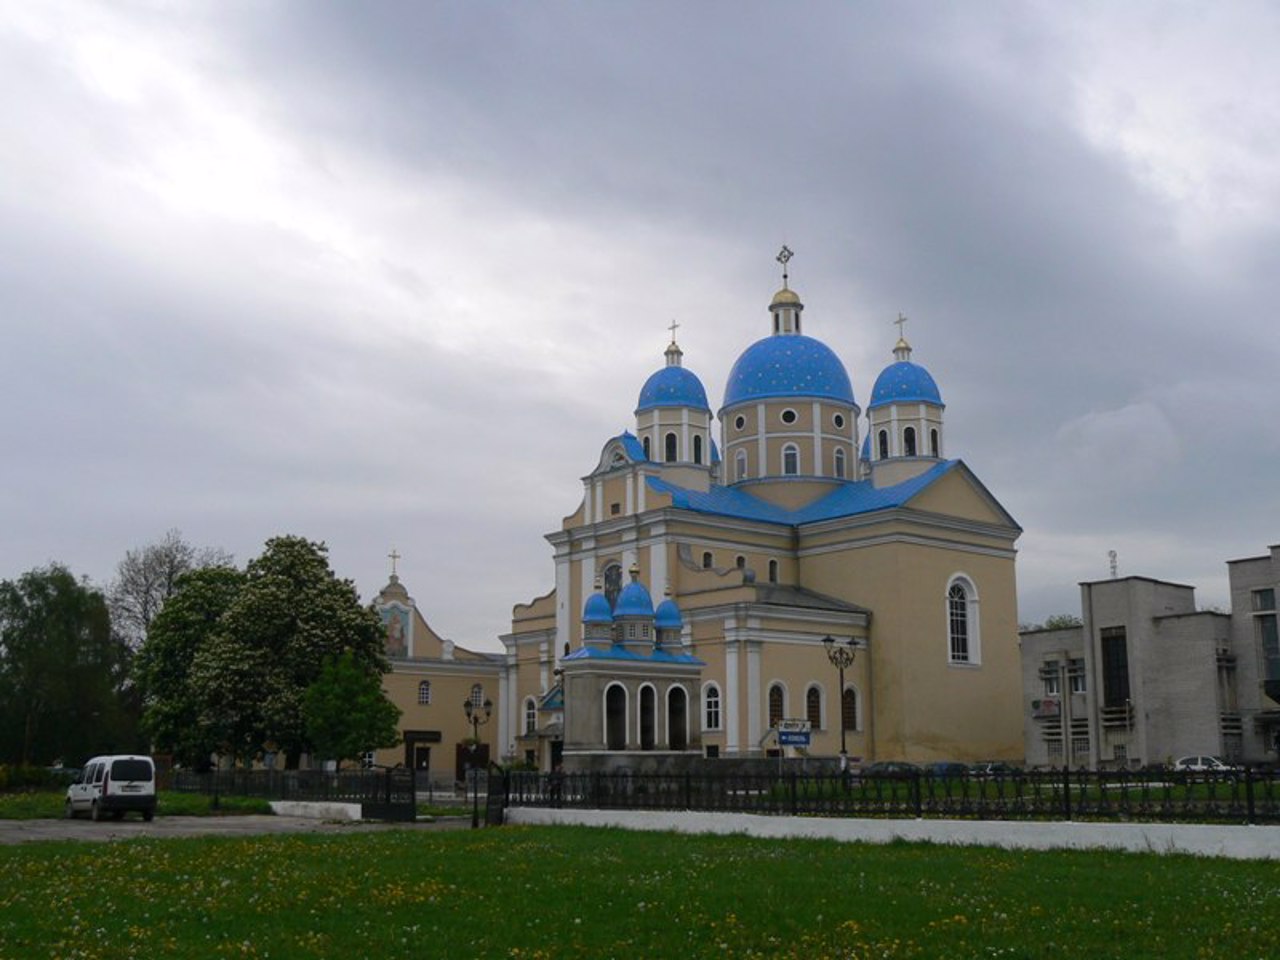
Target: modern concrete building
(1148, 678)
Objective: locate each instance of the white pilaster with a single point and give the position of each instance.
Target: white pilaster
(762, 448)
(730, 720)
(564, 602)
(755, 728)
(817, 440)
(631, 494)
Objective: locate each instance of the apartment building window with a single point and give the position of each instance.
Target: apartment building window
(1075, 675)
(1050, 678)
(1115, 667)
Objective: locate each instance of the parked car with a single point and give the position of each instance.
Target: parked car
(992, 769)
(890, 770)
(946, 770)
(1200, 764)
(114, 785)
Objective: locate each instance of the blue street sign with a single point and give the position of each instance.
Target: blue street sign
(793, 738)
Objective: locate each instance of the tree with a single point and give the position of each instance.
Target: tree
(62, 671)
(1062, 621)
(289, 614)
(162, 667)
(148, 576)
(345, 711)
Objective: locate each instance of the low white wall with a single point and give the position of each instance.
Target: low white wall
(1235, 842)
(316, 810)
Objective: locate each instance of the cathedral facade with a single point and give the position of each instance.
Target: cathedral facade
(715, 558)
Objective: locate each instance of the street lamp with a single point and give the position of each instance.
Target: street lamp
(476, 721)
(840, 653)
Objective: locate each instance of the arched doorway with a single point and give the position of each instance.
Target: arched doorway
(615, 718)
(648, 718)
(678, 718)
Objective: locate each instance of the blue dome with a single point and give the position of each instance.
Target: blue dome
(788, 365)
(668, 616)
(673, 386)
(904, 382)
(634, 601)
(597, 610)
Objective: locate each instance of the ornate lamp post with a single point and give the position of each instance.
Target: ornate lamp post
(840, 653)
(476, 720)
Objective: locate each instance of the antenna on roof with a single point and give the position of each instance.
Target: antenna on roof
(1111, 555)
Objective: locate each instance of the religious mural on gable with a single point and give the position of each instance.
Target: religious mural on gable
(396, 621)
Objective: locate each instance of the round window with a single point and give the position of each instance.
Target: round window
(740, 422)
(788, 416)
(838, 420)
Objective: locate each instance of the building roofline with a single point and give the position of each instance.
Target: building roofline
(1167, 583)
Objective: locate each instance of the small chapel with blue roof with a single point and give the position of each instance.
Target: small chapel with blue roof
(788, 522)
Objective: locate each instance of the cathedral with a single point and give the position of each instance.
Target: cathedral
(719, 563)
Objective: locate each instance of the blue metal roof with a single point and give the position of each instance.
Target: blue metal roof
(622, 653)
(634, 601)
(596, 609)
(904, 382)
(788, 365)
(634, 448)
(668, 616)
(847, 500)
(673, 387)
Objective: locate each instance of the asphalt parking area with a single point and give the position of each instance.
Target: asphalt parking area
(29, 831)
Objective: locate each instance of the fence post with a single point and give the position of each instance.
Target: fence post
(1066, 792)
(793, 793)
(1250, 815)
(688, 790)
(915, 791)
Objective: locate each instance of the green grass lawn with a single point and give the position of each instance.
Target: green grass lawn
(544, 892)
(42, 805)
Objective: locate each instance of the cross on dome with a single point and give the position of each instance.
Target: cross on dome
(393, 556)
(784, 257)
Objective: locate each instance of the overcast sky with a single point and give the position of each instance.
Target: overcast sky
(391, 274)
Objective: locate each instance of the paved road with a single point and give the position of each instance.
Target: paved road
(27, 831)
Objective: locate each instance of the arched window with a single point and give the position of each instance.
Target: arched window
(612, 583)
(882, 442)
(707, 560)
(909, 441)
(849, 709)
(615, 717)
(530, 715)
(838, 457)
(740, 562)
(677, 718)
(740, 465)
(477, 696)
(648, 718)
(711, 707)
(424, 692)
(777, 699)
(963, 641)
(646, 448)
(671, 448)
(697, 448)
(933, 443)
(813, 707)
(790, 460)
(773, 571)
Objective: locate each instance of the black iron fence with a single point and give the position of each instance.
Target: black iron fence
(1245, 796)
(383, 794)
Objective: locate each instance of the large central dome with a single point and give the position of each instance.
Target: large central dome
(788, 366)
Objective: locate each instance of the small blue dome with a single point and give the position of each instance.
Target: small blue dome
(788, 365)
(904, 382)
(668, 616)
(634, 601)
(673, 386)
(597, 609)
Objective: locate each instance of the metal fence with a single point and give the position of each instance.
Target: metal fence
(384, 794)
(1237, 797)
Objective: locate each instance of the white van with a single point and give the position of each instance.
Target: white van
(114, 785)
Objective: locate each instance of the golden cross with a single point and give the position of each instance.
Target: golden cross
(784, 256)
(900, 321)
(394, 557)
(672, 328)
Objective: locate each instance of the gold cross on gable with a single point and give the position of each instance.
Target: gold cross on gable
(672, 328)
(900, 321)
(394, 557)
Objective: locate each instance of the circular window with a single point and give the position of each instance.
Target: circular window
(740, 422)
(838, 420)
(788, 416)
